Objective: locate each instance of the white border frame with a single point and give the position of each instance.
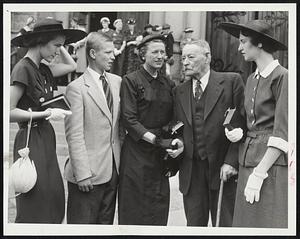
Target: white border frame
(65, 229)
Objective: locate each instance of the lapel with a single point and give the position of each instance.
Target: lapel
(114, 87)
(213, 92)
(185, 99)
(96, 95)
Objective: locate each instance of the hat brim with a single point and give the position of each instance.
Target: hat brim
(235, 29)
(72, 35)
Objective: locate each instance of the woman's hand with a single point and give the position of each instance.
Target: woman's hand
(253, 186)
(57, 114)
(175, 153)
(234, 135)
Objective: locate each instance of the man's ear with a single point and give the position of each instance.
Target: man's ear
(208, 58)
(92, 54)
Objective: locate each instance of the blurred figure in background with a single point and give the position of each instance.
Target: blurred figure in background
(147, 30)
(120, 44)
(187, 37)
(167, 33)
(79, 50)
(156, 29)
(21, 51)
(29, 26)
(105, 27)
(132, 61)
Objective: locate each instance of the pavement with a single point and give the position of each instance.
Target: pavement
(176, 212)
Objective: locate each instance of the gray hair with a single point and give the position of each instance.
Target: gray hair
(201, 43)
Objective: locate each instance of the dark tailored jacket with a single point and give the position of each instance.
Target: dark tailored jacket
(224, 90)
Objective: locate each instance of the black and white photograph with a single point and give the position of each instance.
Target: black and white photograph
(149, 119)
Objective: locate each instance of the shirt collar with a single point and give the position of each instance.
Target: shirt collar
(268, 69)
(204, 80)
(95, 74)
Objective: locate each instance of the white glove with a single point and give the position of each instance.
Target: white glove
(253, 186)
(117, 52)
(234, 135)
(57, 114)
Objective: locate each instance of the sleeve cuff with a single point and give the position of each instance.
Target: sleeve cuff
(278, 143)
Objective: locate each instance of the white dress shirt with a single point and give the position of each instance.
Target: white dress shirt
(96, 78)
(203, 80)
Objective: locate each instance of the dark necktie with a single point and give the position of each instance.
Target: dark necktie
(107, 93)
(198, 90)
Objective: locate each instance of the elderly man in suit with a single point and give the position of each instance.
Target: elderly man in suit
(200, 103)
(92, 134)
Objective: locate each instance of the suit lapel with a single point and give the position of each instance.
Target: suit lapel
(213, 92)
(185, 99)
(96, 95)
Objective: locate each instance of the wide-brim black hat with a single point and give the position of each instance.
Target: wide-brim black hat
(151, 37)
(259, 27)
(49, 25)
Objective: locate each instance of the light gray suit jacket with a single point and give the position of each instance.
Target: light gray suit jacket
(92, 132)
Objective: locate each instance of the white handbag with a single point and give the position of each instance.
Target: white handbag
(22, 174)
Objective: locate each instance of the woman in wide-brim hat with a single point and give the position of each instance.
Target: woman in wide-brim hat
(32, 83)
(262, 190)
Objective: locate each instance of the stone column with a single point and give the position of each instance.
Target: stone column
(157, 18)
(197, 21)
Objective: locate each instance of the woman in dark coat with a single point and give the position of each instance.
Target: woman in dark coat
(32, 83)
(132, 61)
(262, 190)
(119, 44)
(146, 106)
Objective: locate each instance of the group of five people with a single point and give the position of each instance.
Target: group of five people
(116, 144)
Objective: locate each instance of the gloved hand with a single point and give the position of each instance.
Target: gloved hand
(163, 143)
(57, 113)
(234, 135)
(253, 186)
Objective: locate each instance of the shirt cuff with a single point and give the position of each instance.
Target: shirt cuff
(278, 143)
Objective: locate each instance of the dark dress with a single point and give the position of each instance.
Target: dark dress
(117, 67)
(132, 61)
(45, 202)
(266, 106)
(144, 193)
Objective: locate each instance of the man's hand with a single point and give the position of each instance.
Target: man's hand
(176, 152)
(85, 185)
(234, 135)
(227, 171)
